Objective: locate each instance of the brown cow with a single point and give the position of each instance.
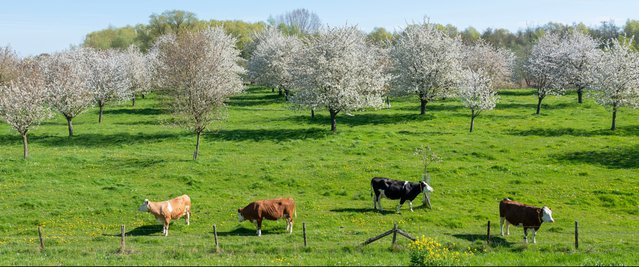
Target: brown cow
(271, 209)
(519, 214)
(166, 210)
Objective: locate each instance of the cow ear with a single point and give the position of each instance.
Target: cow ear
(146, 201)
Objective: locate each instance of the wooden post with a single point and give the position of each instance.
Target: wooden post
(122, 242)
(217, 244)
(394, 233)
(304, 231)
(488, 233)
(40, 236)
(576, 235)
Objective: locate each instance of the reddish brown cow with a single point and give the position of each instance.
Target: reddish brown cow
(519, 214)
(166, 210)
(271, 209)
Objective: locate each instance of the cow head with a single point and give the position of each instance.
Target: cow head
(240, 218)
(145, 206)
(425, 187)
(546, 214)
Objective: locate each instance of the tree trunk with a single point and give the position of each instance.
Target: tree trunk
(423, 106)
(272, 89)
(580, 93)
(197, 146)
(614, 119)
(101, 109)
(25, 145)
(70, 125)
(279, 91)
(286, 94)
(142, 96)
(312, 113)
(133, 101)
(472, 120)
(539, 104)
(333, 120)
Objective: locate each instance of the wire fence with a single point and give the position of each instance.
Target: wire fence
(304, 236)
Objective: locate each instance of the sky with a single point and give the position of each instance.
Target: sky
(32, 27)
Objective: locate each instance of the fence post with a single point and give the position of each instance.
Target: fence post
(394, 233)
(576, 235)
(41, 239)
(217, 244)
(122, 242)
(304, 231)
(488, 233)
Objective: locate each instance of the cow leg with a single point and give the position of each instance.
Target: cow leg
(501, 225)
(534, 233)
(525, 235)
(165, 229)
(188, 216)
(410, 204)
(507, 227)
(259, 227)
(401, 202)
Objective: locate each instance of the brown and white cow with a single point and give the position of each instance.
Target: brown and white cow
(166, 210)
(519, 214)
(271, 209)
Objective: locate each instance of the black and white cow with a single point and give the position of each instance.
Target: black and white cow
(393, 189)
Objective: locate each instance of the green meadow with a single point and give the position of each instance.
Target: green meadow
(81, 189)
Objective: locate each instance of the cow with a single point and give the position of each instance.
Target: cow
(166, 210)
(519, 214)
(393, 189)
(271, 209)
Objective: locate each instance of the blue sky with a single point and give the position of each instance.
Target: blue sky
(32, 27)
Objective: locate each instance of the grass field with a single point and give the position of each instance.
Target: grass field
(80, 190)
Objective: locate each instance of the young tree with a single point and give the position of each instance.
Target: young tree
(427, 62)
(66, 86)
(578, 51)
(108, 76)
(200, 71)
(544, 67)
(22, 100)
(477, 93)
(140, 71)
(272, 59)
(616, 77)
(339, 71)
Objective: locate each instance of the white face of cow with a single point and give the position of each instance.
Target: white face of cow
(427, 187)
(145, 206)
(240, 218)
(547, 215)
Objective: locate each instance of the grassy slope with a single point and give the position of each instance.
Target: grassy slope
(82, 189)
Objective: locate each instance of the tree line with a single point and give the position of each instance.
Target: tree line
(337, 69)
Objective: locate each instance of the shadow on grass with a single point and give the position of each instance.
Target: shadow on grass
(267, 134)
(518, 92)
(533, 106)
(101, 140)
(556, 132)
(144, 230)
(361, 119)
(255, 97)
(244, 232)
(135, 111)
(615, 158)
(363, 210)
(495, 241)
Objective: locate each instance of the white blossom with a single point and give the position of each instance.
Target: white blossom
(339, 71)
(544, 67)
(140, 68)
(65, 78)
(578, 52)
(108, 76)
(476, 93)
(427, 62)
(616, 77)
(497, 63)
(8, 64)
(22, 100)
(200, 71)
(273, 58)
